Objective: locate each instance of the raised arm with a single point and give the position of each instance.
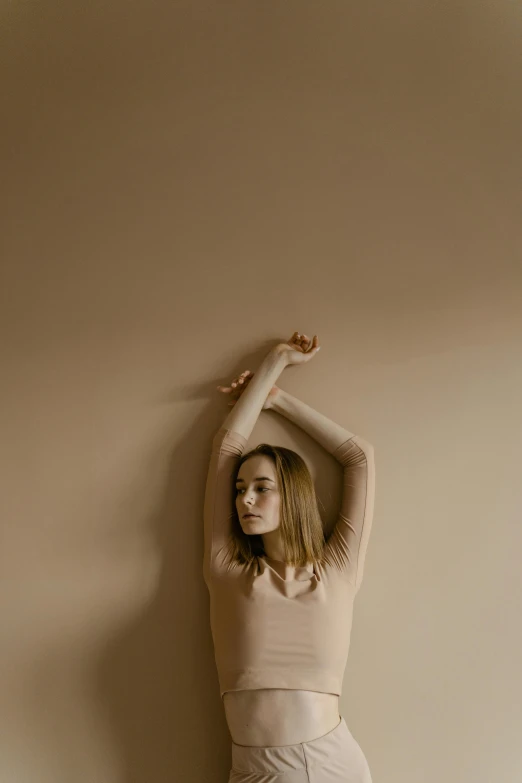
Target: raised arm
(228, 445)
(346, 546)
(243, 416)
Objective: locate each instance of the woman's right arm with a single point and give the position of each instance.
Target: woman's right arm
(245, 413)
(228, 445)
(220, 503)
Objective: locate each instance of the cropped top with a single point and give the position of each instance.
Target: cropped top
(275, 625)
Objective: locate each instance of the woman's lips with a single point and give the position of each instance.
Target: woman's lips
(250, 516)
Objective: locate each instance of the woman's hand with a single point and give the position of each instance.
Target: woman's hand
(238, 386)
(298, 349)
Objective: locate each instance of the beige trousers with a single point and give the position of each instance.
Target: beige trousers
(334, 758)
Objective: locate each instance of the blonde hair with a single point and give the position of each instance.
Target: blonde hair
(301, 525)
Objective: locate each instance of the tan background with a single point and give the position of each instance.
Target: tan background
(183, 182)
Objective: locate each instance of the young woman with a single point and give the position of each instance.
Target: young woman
(281, 595)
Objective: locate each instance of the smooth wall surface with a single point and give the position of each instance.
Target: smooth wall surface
(184, 183)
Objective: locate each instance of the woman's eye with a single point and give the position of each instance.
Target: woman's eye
(261, 489)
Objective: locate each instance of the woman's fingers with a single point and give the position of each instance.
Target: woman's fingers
(242, 378)
(309, 343)
(303, 341)
(237, 384)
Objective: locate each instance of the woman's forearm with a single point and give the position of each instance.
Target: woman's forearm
(243, 416)
(325, 431)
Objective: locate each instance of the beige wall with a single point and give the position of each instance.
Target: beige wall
(183, 182)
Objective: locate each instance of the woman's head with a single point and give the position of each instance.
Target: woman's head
(274, 483)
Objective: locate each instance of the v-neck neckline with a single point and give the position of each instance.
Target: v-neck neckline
(289, 572)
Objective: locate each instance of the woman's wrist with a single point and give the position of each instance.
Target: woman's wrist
(279, 353)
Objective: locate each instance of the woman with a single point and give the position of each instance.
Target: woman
(281, 595)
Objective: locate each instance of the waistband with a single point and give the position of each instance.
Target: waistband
(281, 758)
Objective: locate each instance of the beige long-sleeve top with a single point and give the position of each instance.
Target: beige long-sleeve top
(275, 625)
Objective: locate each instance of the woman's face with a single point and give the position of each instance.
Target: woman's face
(257, 493)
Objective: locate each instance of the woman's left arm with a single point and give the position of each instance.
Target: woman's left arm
(348, 542)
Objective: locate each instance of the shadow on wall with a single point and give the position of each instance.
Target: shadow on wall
(157, 680)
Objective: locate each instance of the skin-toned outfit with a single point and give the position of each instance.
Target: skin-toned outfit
(279, 626)
(334, 758)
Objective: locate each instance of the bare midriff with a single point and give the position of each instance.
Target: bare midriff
(273, 716)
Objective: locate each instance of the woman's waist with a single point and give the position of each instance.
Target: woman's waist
(274, 716)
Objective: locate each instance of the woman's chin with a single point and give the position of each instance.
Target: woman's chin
(251, 525)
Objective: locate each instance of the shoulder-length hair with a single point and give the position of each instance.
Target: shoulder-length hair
(301, 525)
